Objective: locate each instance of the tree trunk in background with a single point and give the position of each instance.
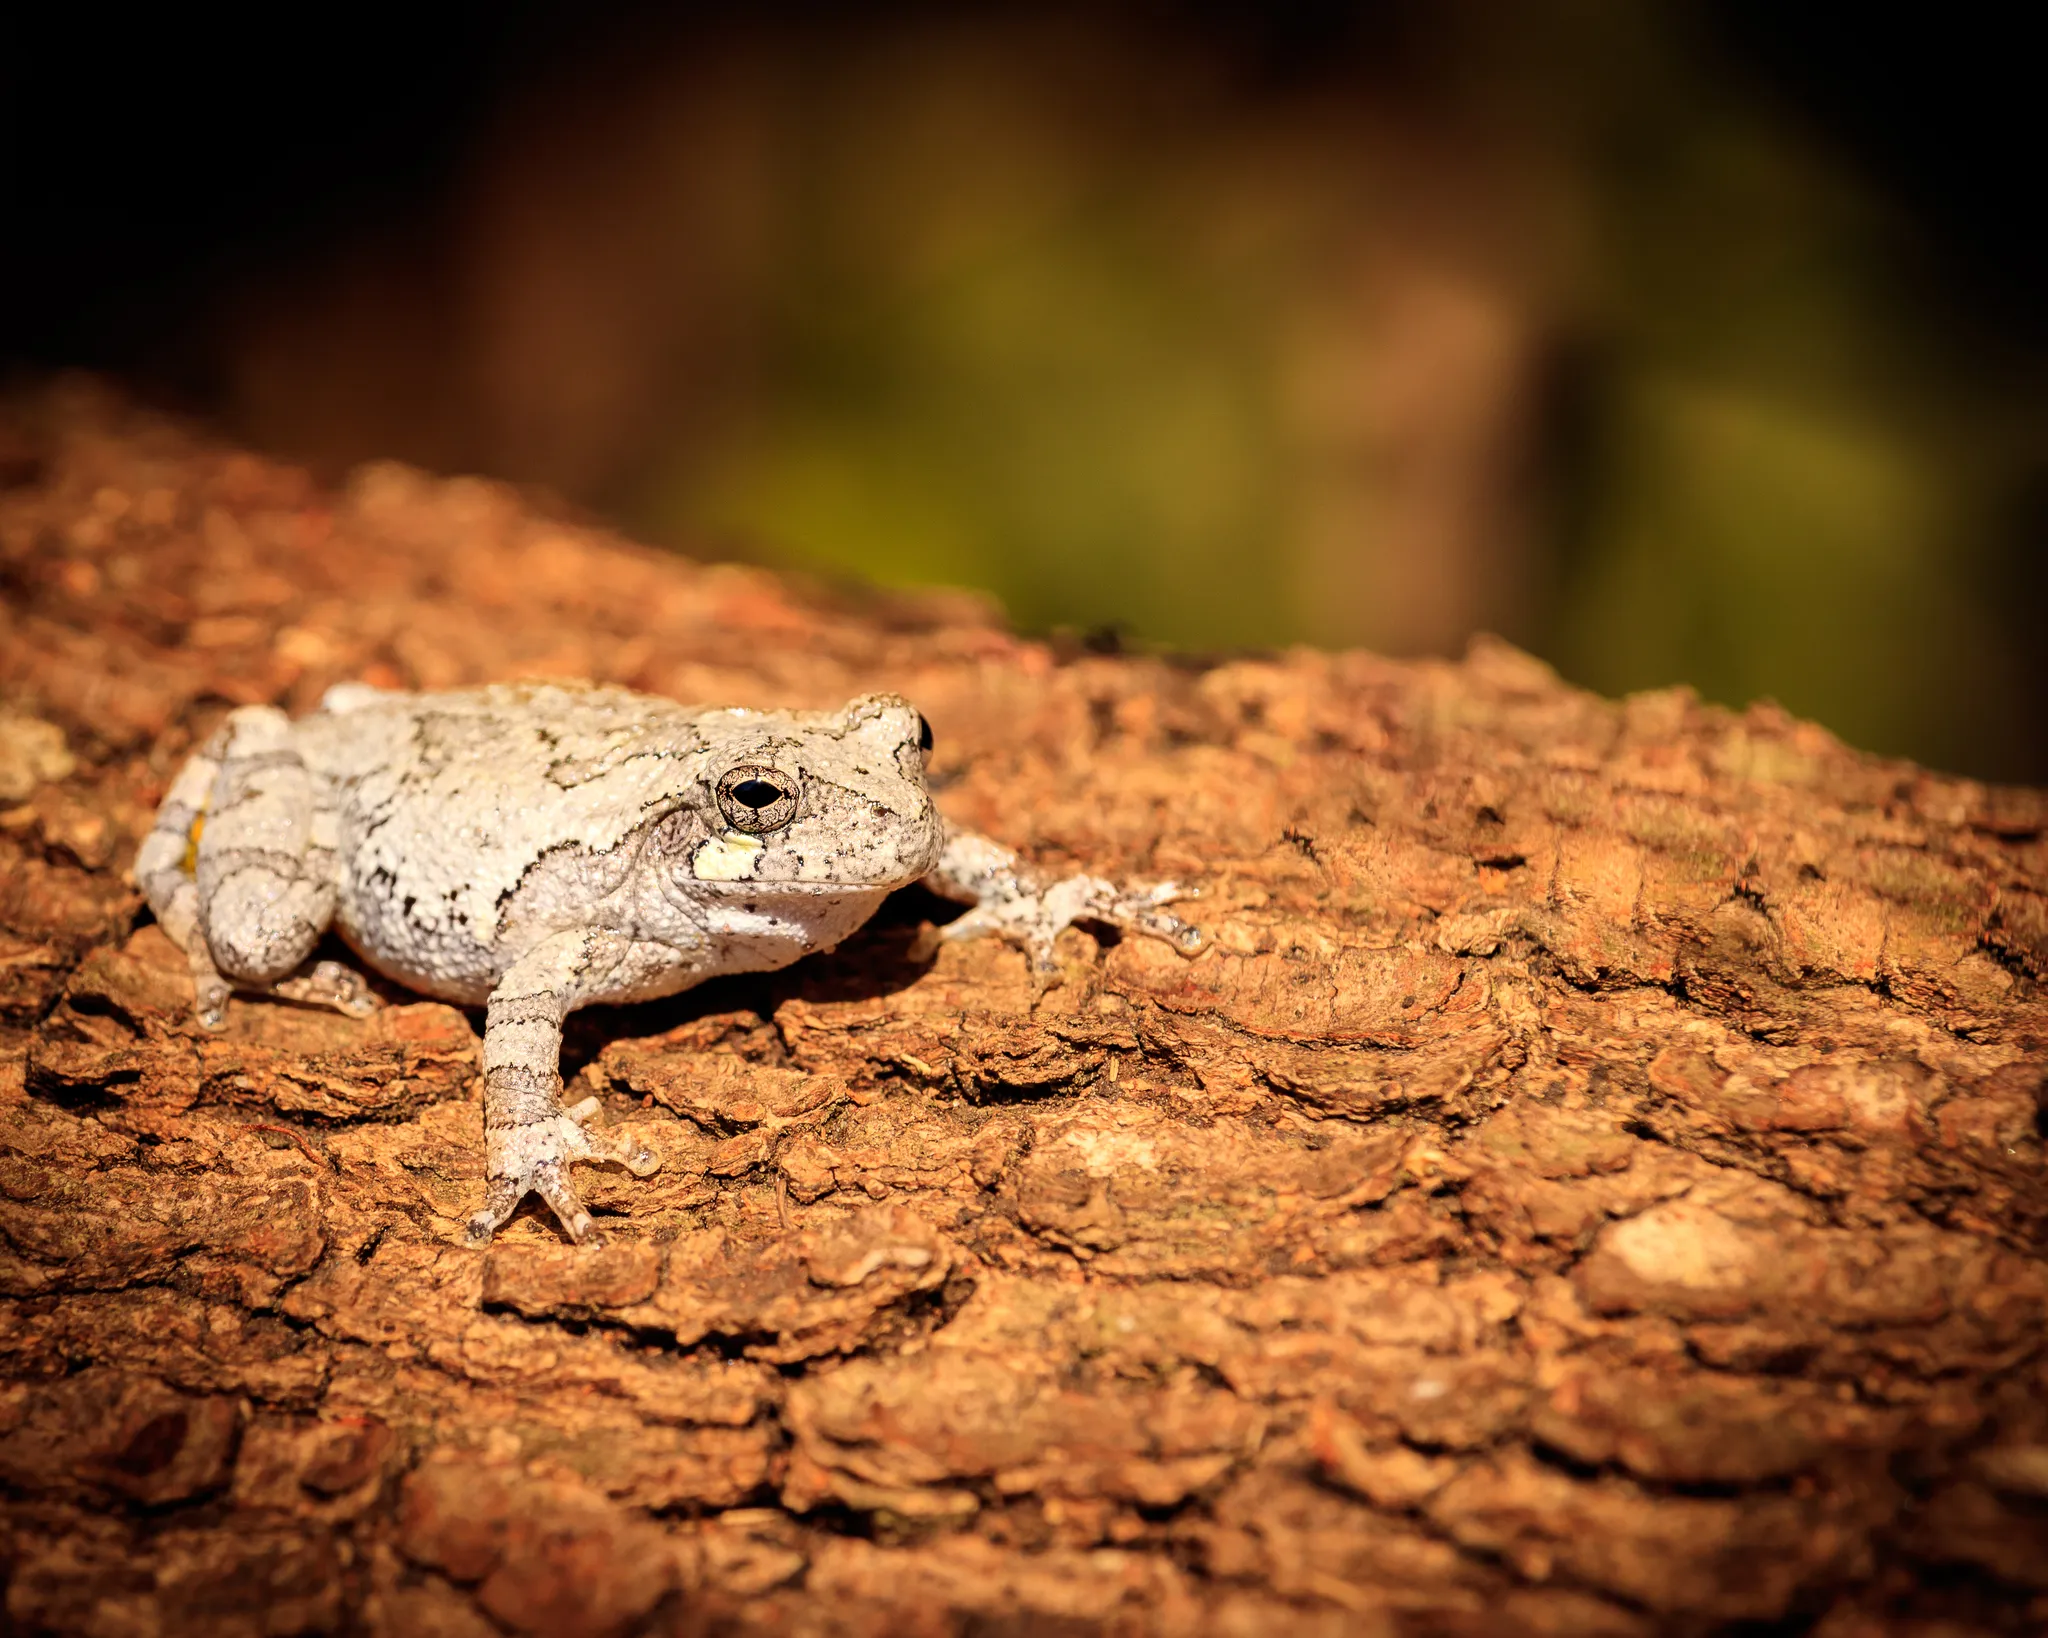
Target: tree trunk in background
(1593, 1183)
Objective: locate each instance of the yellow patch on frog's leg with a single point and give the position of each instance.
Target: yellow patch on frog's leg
(167, 861)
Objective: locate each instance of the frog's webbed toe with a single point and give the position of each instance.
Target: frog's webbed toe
(1034, 919)
(551, 1183)
(618, 1144)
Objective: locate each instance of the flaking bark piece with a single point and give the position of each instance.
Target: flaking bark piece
(821, 1292)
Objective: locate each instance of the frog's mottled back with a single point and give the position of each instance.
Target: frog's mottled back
(473, 825)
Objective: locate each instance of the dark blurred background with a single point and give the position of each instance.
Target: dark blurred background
(1676, 342)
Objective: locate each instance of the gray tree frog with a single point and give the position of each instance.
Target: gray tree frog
(536, 847)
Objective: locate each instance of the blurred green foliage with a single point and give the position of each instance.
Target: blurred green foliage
(1060, 423)
(1541, 319)
(1799, 474)
(1059, 354)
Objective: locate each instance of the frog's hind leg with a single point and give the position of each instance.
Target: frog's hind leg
(164, 866)
(265, 868)
(240, 870)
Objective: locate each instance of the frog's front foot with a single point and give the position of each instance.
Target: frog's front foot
(1034, 917)
(534, 1158)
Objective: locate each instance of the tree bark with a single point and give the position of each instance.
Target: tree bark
(1592, 1183)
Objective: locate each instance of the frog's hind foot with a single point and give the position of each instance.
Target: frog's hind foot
(210, 994)
(329, 984)
(317, 984)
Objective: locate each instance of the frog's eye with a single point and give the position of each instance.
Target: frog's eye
(756, 799)
(924, 735)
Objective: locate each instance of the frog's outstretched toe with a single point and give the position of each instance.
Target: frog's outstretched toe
(210, 991)
(1138, 909)
(551, 1183)
(638, 1158)
(501, 1199)
(620, 1144)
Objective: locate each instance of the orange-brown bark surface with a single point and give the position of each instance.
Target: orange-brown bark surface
(1592, 1183)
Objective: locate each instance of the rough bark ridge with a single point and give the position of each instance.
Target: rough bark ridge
(1592, 1184)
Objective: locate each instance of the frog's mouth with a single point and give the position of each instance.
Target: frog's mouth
(736, 859)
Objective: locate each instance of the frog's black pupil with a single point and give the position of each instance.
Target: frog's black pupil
(924, 734)
(757, 793)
